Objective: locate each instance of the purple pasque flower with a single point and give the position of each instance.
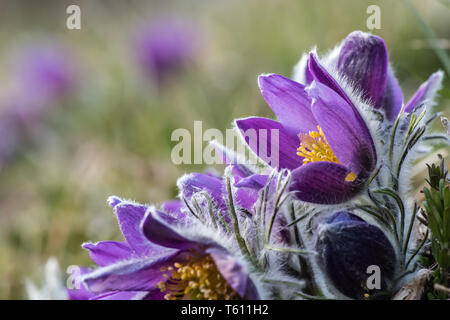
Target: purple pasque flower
(323, 117)
(165, 46)
(322, 138)
(347, 246)
(361, 61)
(164, 257)
(245, 182)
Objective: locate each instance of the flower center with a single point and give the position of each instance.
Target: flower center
(314, 147)
(198, 278)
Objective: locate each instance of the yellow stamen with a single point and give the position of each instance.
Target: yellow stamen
(351, 177)
(198, 278)
(314, 147)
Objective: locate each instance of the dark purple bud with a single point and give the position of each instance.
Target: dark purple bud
(347, 246)
(364, 60)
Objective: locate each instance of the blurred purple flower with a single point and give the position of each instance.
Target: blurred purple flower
(41, 76)
(46, 72)
(165, 46)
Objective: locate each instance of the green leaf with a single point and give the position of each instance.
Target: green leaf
(444, 258)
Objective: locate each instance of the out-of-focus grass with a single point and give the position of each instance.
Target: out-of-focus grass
(113, 137)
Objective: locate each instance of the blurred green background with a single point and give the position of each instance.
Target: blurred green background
(111, 135)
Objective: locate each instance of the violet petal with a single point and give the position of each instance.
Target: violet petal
(256, 182)
(321, 75)
(344, 129)
(140, 274)
(282, 153)
(174, 208)
(130, 216)
(246, 198)
(425, 92)
(323, 183)
(233, 271)
(157, 230)
(107, 252)
(289, 102)
(196, 182)
(393, 97)
(363, 59)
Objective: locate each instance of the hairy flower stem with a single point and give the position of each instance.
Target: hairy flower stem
(241, 242)
(212, 216)
(417, 250)
(305, 268)
(190, 209)
(401, 207)
(264, 200)
(394, 132)
(408, 236)
(275, 205)
(415, 138)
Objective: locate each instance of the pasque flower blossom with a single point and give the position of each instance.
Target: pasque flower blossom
(188, 248)
(323, 118)
(162, 258)
(323, 139)
(247, 186)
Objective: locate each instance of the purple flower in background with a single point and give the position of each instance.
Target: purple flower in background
(47, 71)
(347, 245)
(41, 76)
(163, 258)
(165, 46)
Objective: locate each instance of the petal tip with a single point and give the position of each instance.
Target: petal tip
(87, 245)
(438, 75)
(113, 201)
(267, 79)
